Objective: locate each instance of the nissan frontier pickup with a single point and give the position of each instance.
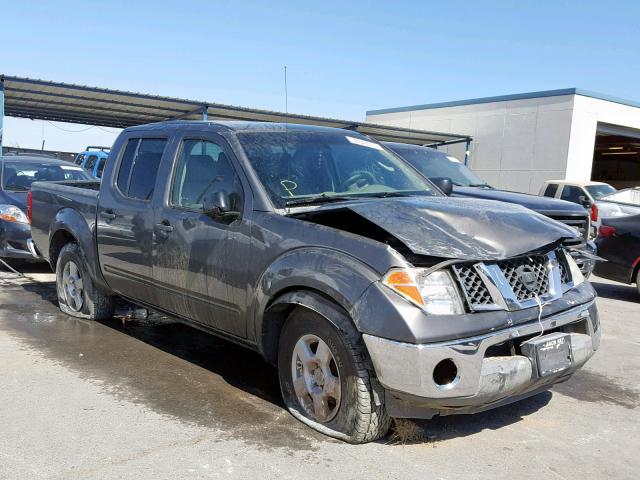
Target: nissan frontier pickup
(374, 295)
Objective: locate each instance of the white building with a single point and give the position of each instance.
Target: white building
(521, 140)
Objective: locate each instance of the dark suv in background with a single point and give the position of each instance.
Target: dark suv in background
(456, 180)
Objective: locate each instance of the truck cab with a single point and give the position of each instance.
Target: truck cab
(93, 160)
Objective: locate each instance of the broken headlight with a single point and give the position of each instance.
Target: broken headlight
(435, 292)
(576, 275)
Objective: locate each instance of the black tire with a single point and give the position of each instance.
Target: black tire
(359, 418)
(94, 305)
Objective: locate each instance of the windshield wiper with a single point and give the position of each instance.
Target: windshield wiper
(480, 185)
(324, 198)
(16, 188)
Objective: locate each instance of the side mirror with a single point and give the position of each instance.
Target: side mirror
(218, 205)
(443, 183)
(584, 201)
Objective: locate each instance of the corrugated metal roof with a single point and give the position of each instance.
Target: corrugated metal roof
(64, 102)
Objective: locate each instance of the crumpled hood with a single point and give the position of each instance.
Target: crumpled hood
(462, 228)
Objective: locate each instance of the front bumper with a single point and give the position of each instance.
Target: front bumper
(16, 242)
(490, 370)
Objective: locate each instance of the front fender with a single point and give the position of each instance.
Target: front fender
(75, 225)
(330, 272)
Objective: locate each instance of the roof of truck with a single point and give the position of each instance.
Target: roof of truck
(239, 125)
(580, 183)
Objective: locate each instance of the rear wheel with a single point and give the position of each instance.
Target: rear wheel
(638, 281)
(77, 295)
(326, 379)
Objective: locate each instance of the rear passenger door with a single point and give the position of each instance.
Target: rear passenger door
(200, 262)
(126, 218)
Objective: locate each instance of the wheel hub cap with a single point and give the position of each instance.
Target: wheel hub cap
(316, 378)
(72, 286)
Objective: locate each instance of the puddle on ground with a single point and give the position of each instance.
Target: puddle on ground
(589, 386)
(168, 367)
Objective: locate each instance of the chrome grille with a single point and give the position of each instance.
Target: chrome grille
(474, 289)
(538, 264)
(581, 223)
(564, 273)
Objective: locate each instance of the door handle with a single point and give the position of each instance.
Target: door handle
(108, 215)
(163, 227)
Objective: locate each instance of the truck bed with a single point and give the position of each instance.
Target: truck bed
(50, 200)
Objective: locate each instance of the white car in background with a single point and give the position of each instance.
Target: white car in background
(590, 195)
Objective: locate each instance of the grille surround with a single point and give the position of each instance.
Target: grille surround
(474, 290)
(496, 285)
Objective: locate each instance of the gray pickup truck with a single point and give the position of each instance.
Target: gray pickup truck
(375, 295)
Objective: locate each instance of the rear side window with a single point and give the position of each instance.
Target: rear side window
(571, 194)
(101, 164)
(139, 167)
(551, 190)
(79, 159)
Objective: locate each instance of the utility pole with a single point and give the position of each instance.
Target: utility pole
(1, 110)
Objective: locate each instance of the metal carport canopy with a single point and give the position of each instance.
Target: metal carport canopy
(64, 102)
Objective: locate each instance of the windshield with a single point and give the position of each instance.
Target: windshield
(19, 176)
(597, 191)
(432, 163)
(329, 166)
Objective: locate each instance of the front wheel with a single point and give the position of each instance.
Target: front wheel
(326, 379)
(77, 295)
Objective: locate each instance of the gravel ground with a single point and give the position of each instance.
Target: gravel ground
(155, 399)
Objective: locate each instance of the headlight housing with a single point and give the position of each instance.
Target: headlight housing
(11, 213)
(576, 275)
(435, 292)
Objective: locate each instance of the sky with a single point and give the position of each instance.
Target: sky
(342, 58)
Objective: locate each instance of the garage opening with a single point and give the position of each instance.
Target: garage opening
(616, 156)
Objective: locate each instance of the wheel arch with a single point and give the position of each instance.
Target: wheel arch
(70, 226)
(284, 303)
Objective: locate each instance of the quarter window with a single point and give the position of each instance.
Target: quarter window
(139, 167)
(203, 168)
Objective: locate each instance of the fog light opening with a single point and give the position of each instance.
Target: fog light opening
(446, 373)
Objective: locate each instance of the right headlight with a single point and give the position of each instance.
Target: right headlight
(435, 292)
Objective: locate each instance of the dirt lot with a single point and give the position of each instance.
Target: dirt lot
(155, 399)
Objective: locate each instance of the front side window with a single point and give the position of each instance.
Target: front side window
(139, 167)
(433, 164)
(551, 190)
(571, 194)
(18, 176)
(91, 162)
(203, 168)
(296, 164)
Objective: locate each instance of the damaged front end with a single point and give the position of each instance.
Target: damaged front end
(488, 309)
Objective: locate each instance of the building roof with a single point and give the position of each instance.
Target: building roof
(506, 98)
(64, 102)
